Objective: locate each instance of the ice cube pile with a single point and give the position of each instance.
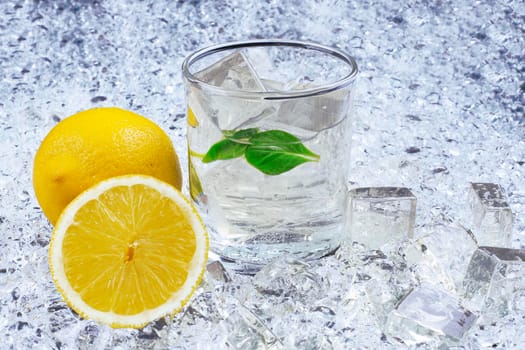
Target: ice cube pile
(438, 118)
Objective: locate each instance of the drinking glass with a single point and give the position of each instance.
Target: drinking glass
(269, 136)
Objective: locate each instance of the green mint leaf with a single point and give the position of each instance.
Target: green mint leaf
(242, 136)
(274, 152)
(224, 149)
(233, 146)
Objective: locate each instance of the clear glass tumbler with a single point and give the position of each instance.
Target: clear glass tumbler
(269, 131)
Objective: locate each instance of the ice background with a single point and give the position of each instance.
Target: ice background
(440, 103)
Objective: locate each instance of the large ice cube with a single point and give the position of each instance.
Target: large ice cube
(441, 255)
(232, 72)
(427, 312)
(495, 281)
(381, 215)
(491, 215)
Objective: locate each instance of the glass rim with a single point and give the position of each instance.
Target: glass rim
(271, 95)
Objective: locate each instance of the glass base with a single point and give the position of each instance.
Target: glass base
(244, 260)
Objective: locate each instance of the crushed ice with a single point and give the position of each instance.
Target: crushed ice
(440, 105)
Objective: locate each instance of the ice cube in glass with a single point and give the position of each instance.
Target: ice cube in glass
(232, 72)
(491, 215)
(315, 113)
(381, 215)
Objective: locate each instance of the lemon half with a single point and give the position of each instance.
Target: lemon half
(128, 250)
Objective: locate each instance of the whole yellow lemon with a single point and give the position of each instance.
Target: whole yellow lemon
(97, 144)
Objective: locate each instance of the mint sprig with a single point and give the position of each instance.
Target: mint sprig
(272, 152)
